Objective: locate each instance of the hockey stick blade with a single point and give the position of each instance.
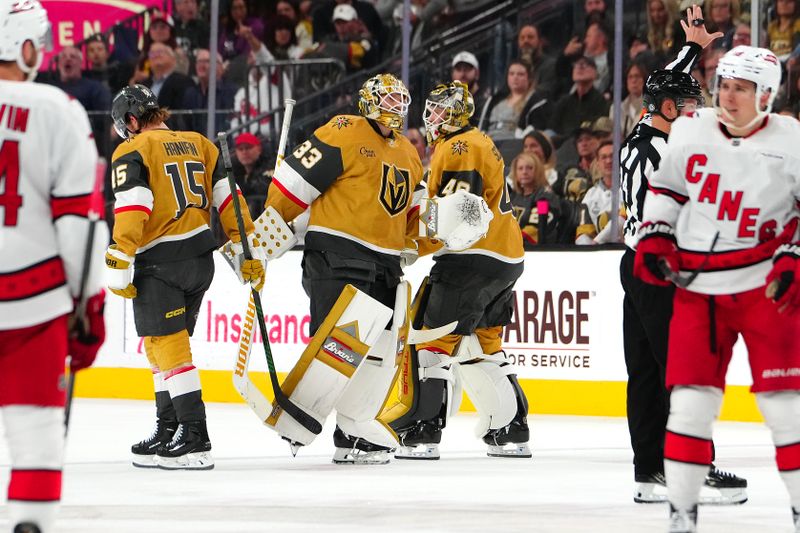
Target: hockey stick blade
(418, 336)
(684, 281)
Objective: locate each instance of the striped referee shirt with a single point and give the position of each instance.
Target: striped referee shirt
(641, 153)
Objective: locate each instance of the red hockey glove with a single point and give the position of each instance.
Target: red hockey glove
(656, 243)
(782, 281)
(88, 333)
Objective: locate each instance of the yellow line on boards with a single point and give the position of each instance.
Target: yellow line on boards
(553, 397)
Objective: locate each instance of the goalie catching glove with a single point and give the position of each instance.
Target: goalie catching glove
(656, 245)
(782, 280)
(119, 271)
(459, 220)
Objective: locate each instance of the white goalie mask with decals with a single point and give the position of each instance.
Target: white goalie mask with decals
(20, 21)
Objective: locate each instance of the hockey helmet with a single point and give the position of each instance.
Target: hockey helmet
(448, 109)
(672, 84)
(20, 21)
(133, 101)
(384, 99)
(757, 65)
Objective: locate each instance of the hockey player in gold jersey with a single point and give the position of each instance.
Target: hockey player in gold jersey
(357, 174)
(473, 286)
(165, 183)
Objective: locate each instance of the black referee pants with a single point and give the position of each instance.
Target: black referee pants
(647, 310)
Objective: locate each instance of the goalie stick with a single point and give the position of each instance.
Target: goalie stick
(309, 422)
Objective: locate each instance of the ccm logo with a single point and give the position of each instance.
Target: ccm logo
(175, 312)
(335, 351)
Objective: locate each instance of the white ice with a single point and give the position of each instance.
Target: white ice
(580, 479)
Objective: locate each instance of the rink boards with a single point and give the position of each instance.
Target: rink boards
(565, 338)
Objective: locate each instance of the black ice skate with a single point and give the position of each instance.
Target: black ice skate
(144, 452)
(796, 518)
(650, 488)
(189, 449)
(357, 451)
(723, 488)
(682, 521)
(27, 527)
(420, 441)
(511, 440)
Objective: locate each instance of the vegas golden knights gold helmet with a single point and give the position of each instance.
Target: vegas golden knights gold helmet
(384, 99)
(448, 109)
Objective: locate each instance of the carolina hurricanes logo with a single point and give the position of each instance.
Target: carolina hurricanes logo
(771, 58)
(394, 189)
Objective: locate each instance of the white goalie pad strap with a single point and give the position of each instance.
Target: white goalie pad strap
(331, 360)
(274, 234)
(459, 220)
(485, 378)
(432, 366)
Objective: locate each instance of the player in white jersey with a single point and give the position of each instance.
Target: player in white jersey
(48, 161)
(724, 205)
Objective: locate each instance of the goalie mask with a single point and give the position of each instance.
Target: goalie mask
(757, 65)
(448, 109)
(674, 85)
(384, 99)
(132, 101)
(20, 21)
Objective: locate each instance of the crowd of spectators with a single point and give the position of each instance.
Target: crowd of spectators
(550, 115)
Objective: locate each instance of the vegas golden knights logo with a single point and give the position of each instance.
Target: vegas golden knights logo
(394, 189)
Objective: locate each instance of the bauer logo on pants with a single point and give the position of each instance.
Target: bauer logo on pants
(341, 351)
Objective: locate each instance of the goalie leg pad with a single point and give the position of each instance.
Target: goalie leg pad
(338, 348)
(487, 381)
(366, 393)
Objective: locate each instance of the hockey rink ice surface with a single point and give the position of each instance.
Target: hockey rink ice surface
(580, 479)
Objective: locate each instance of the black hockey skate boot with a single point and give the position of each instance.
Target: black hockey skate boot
(27, 527)
(420, 441)
(511, 440)
(723, 488)
(357, 451)
(144, 452)
(189, 449)
(650, 488)
(682, 521)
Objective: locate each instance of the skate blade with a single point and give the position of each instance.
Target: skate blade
(650, 493)
(346, 456)
(521, 451)
(190, 461)
(420, 452)
(144, 461)
(718, 496)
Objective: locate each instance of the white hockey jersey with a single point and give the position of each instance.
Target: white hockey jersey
(746, 189)
(48, 162)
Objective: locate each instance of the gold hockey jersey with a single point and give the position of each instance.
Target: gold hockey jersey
(469, 160)
(359, 186)
(165, 183)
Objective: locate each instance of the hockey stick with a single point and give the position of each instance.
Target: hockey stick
(79, 319)
(307, 421)
(684, 281)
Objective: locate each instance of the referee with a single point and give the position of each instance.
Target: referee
(647, 309)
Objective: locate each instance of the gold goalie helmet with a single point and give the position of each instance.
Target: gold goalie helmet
(448, 108)
(384, 99)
